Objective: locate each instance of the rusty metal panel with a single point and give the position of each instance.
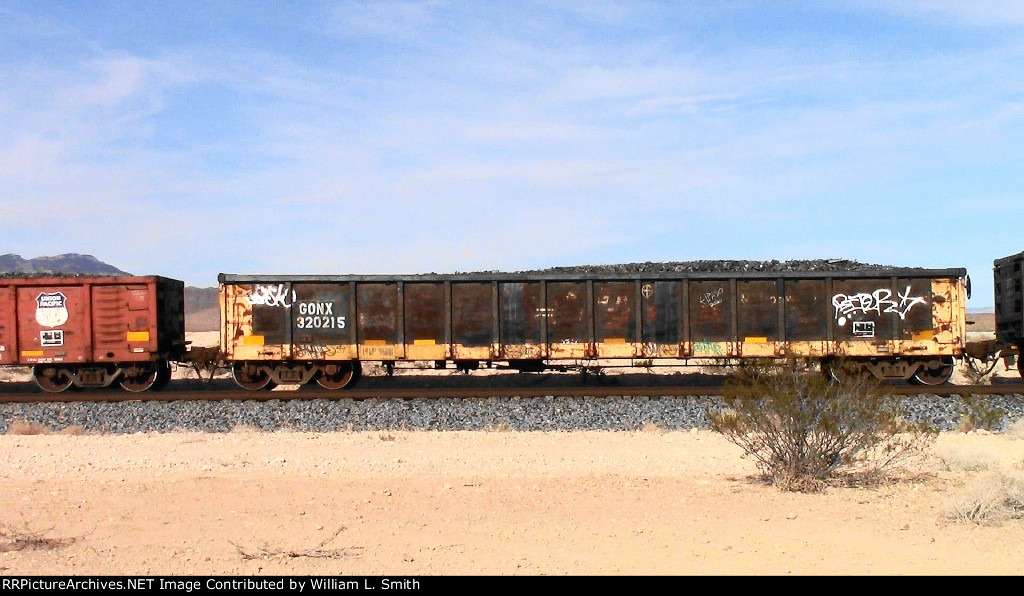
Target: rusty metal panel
(865, 309)
(54, 324)
(473, 314)
(424, 313)
(378, 307)
(271, 306)
(710, 311)
(521, 313)
(807, 310)
(614, 317)
(8, 324)
(256, 320)
(915, 309)
(1008, 276)
(321, 327)
(90, 319)
(566, 316)
(757, 311)
(123, 321)
(661, 318)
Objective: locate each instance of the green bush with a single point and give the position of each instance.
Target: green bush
(804, 431)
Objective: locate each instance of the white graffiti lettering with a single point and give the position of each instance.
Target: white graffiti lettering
(878, 302)
(271, 296)
(712, 298)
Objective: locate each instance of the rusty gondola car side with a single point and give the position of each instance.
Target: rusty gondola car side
(1008, 277)
(890, 323)
(93, 331)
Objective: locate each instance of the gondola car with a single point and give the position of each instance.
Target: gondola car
(889, 323)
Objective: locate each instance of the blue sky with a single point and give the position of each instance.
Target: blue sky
(191, 138)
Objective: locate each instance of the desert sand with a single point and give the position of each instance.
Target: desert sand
(471, 503)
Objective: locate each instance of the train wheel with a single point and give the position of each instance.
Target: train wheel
(164, 376)
(52, 378)
(338, 376)
(138, 378)
(251, 377)
(935, 371)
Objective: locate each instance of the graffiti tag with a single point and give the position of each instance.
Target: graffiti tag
(708, 347)
(712, 298)
(271, 296)
(878, 302)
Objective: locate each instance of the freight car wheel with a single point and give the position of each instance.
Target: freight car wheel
(53, 379)
(139, 378)
(338, 376)
(251, 377)
(164, 376)
(935, 372)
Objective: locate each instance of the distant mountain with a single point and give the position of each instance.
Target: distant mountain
(66, 264)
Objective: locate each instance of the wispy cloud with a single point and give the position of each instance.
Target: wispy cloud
(405, 136)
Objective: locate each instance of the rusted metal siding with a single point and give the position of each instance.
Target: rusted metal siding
(1008, 275)
(517, 317)
(77, 320)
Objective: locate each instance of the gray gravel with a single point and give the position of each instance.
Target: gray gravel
(516, 414)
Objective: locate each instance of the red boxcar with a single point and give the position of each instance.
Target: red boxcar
(93, 331)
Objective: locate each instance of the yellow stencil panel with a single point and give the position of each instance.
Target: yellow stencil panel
(138, 336)
(252, 340)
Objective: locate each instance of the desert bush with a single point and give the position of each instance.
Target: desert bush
(960, 459)
(1016, 429)
(995, 498)
(25, 427)
(803, 431)
(20, 539)
(976, 413)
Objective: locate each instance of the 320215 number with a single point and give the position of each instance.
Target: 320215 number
(320, 322)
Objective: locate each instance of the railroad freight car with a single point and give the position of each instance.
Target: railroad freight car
(93, 331)
(1008, 274)
(889, 323)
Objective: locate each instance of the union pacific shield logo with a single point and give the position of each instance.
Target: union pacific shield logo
(51, 310)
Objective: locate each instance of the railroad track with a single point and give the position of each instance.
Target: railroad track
(26, 393)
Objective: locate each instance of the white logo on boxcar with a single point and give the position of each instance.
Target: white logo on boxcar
(51, 310)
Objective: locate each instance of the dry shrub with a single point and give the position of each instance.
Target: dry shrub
(804, 432)
(1016, 429)
(317, 552)
(74, 430)
(959, 459)
(500, 426)
(995, 498)
(976, 413)
(13, 539)
(25, 427)
(653, 427)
